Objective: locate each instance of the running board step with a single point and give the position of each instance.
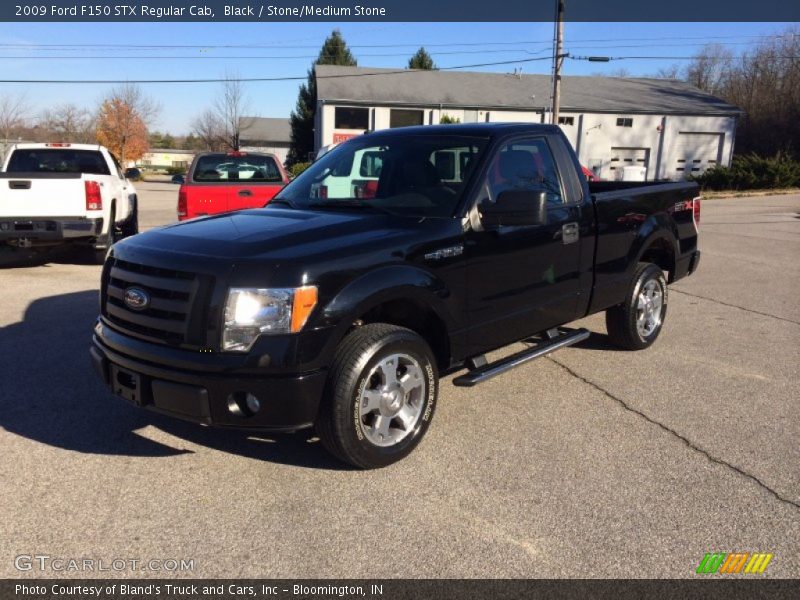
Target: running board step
(564, 338)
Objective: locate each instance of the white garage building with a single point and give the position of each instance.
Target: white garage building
(667, 126)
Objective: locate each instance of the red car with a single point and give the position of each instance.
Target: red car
(218, 182)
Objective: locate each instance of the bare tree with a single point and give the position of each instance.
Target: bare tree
(765, 83)
(220, 127)
(13, 112)
(210, 129)
(620, 72)
(69, 123)
(709, 68)
(671, 72)
(131, 94)
(230, 107)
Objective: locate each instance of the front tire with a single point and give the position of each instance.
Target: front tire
(380, 398)
(636, 323)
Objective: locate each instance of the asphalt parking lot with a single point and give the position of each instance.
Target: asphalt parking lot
(592, 462)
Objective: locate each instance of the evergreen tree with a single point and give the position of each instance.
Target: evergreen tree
(421, 60)
(334, 52)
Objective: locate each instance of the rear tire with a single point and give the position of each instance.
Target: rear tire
(380, 397)
(636, 323)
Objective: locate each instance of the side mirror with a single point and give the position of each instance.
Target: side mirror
(515, 208)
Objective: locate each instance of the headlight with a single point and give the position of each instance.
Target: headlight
(249, 312)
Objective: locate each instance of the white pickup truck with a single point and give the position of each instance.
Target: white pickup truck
(54, 194)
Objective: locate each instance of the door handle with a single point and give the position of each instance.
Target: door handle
(570, 232)
(245, 193)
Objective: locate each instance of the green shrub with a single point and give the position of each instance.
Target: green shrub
(448, 120)
(753, 172)
(175, 170)
(298, 168)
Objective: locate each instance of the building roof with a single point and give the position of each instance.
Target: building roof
(359, 85)
(265, 129)
(480, 130)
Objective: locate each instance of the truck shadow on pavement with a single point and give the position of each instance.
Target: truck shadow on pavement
(20, 258)
(50, 394)
(597, 341)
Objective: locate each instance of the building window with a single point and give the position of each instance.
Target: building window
(347, 117)
(406, 118)
(566, 120)
(626, 122)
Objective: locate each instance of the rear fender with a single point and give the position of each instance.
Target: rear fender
(657, 228)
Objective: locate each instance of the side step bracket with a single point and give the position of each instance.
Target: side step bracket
(549, 343)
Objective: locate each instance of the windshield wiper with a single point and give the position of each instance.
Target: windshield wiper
(351, 204)
(284, 201)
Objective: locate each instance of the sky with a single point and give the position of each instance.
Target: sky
(288, 49)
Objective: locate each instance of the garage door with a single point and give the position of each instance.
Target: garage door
(628, 157)
(696, 152)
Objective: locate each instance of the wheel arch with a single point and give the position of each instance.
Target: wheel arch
(656, 244)
(400, 295)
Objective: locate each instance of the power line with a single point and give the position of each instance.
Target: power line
(317, 56)
(415, 45)
(259, 46)
(265, 79)
(728, 58)
(13, 47)
(247, 57)
(650, 45)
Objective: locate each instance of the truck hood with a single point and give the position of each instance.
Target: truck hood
(277, 234)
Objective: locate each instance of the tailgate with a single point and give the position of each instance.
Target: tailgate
(40, 195)
(255, 195)
(206, 199)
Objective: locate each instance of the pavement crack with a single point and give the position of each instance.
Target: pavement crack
(763, 314)
(672, 432)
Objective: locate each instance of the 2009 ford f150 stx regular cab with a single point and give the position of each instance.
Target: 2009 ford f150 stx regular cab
(61, 193)
(341, 312)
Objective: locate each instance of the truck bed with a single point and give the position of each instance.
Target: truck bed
(634, 215)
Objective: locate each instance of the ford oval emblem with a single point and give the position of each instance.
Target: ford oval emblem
(136, 298)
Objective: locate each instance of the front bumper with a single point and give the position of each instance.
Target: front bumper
(49, 229)
(287, 402)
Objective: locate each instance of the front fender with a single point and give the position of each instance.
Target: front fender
(395, 282)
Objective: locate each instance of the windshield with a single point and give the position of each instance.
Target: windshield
(411, 175)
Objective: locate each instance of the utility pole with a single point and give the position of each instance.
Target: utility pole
(558, 60)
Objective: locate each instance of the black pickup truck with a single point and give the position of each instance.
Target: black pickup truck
(340, 303)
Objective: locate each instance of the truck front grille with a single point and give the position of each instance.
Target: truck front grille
(177, 304)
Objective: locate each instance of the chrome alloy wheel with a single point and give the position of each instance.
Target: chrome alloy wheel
(648, 308)
(391, 404)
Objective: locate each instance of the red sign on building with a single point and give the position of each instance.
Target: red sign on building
(338, 138)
